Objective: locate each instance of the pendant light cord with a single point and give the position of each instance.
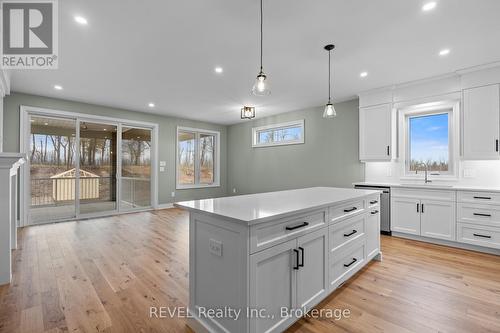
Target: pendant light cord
(329, 77)
(261, 33)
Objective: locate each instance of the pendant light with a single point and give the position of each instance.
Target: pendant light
(329, 109)
(261, 86)
(248, 112)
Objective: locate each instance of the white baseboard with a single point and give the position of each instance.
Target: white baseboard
(165, 206)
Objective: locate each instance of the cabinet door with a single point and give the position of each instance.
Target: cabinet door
(373, 233)
(272, 286)
(312, 276)
(481, 122)
(405, 215)
(375, 133)
(438, 219)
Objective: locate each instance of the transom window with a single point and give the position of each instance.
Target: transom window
(278, 134)
(197, 158)
(428, 142)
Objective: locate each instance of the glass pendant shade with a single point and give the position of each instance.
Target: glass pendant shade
(329, 111)
(247, 112)
(261, 86)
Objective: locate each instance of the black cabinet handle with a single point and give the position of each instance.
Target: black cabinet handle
(373, 202)
(422, 208)
(302, 256)
(482, 214)
(483, 236)
(496, 145)
(483, 198)
(418, 211)
(351, 233)
(350, 210)
(352, 262)
(304, 224)
(388, 150)
(374, 212)
(296, 267)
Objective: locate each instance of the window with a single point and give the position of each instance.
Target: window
(429, 138)
(278, 134)
(197, 158)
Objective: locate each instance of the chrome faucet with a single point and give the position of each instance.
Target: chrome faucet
(426, 179)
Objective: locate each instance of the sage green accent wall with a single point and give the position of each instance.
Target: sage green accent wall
(166, 146)
(329, 156)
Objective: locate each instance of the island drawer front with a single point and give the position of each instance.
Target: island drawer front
(441, 195)
(339, 212)
(373, 202)
(487, 215)
(265, 235)
(478, 235)
(347, 231)
(484, 198)
(346, 262)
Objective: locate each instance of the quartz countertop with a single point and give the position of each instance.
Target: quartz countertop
(262, 207)
(433, 186)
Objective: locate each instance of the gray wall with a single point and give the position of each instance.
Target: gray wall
(329, 156)
(167, 139)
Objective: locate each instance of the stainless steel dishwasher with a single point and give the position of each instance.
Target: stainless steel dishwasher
(385, 206)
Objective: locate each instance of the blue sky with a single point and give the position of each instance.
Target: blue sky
(429, 138)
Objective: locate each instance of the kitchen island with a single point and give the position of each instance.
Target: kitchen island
(256, 262)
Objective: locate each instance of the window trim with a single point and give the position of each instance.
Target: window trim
(278, 126)
(452, 108)
(197, 132)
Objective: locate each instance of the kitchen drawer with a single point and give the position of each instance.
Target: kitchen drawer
(488, 198)
(487, 215)
(265, 235)
(479, 235)
(345, 263)
(342, 211)
(428, 194)
(347, 231)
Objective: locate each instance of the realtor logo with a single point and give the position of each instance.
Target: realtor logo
(29, 34)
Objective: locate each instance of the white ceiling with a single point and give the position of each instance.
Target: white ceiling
(134, 52)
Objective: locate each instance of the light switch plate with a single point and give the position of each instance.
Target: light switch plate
(215, 247)
(469, 173)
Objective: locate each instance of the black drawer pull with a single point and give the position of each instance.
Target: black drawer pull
(373, 202)
(302, 255)
(296, 267)
(352, 262)
(305, 224)
(351, 233)
(350, 209)
(481, 214)
(483, 198)
(483, 236)
(374, 212)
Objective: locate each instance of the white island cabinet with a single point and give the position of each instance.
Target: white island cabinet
(259, 261)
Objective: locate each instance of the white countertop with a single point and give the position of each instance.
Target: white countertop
(433, 186)
(262, 207)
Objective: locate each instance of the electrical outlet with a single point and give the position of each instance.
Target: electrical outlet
(469, 173)
(162, 169)
(215, 247)
(163, 163)
(173, 194)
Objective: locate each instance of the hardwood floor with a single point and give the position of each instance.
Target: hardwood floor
(102, 275)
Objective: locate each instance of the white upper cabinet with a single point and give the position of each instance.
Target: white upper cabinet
(481, 123)
(375, 133)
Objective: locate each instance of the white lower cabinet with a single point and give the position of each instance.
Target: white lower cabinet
(405, 216)
(373, 233)
(437, 219)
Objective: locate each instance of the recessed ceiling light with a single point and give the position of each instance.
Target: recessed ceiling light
(81, 20)
(57, 87)
(104, 129)
(151, 105)
(429, 6)
(46, 124)
(218, 70)
(444, 52)
(363, 74)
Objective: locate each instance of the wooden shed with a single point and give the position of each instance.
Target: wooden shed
(63, 185)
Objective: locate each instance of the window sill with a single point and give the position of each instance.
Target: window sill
(197, 186)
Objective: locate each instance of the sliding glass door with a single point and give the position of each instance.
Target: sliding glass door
(84, 167)
(135, 168)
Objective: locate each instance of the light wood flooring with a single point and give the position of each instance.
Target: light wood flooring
(102, 275)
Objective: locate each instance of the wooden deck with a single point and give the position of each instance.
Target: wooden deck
(102, 275)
